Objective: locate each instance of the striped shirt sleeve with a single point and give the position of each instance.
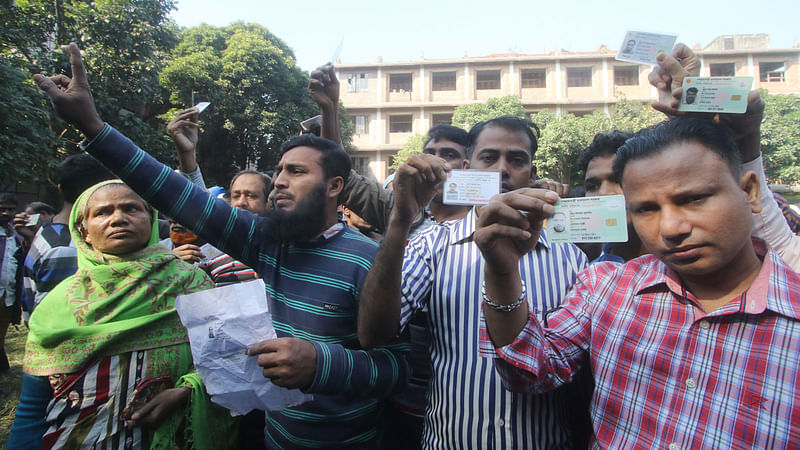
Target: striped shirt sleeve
(542, 359)
(417, 274)
(378, 372)
(212, 219)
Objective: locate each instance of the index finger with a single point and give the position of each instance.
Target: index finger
(76, 63)
(533, 200)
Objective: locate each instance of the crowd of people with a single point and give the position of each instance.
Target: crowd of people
(412, 322)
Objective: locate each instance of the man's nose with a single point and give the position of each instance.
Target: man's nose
(674, 225)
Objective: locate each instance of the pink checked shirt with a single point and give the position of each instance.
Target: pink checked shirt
(667, 374)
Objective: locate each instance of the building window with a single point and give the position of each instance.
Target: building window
(400, 124)
(727, 44)
(357, 82)
(579, 76)
(359, 124)
(439, 119)
(772, 72)
(443, 81)
(360, 165)
(400, 82)
(626, 75)
(723, 69)
(488, 79)
(533, 78)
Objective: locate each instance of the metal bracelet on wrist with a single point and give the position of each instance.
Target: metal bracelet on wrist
(503, 308)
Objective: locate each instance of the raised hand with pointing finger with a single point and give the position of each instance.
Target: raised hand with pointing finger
(71, 97)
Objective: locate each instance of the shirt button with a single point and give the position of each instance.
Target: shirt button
(704, 325)
(500, 422)
(690, 383)
(674, 446)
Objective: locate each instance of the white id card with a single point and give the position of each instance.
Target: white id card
(202, 106)
(640, 47)
(471, 187)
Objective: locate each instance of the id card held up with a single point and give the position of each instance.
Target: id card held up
(471, 187)
(589, 219)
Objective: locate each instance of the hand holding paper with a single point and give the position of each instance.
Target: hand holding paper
(223, 323)
(287, 362)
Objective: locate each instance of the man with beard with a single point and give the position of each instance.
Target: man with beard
(441, 269)
(313, 269)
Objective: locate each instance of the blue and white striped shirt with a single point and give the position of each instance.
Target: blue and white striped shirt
(467, 404)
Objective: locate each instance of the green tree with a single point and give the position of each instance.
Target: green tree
(632, 115)
(468, 115)
(413, 145)
(561, 142)
(346, 129)
(780, 138)
(27, 140)
(564, 138)
(124, 44)
(258, 95)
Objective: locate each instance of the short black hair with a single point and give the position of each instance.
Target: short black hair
(41, 207)
(80, 172)
(448, 132)
(603, 145)
(335, 161)
(264, 177)
(651, 141)
(509, 123)
(8, 197)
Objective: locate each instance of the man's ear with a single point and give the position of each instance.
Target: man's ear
(335, 186)
(752, 189)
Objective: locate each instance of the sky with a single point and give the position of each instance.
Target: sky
(405, 30)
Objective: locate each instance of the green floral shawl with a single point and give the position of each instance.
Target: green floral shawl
(112, 305)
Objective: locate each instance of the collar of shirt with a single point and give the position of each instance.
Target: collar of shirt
(764, 293)
(330, 232)
(462, 230)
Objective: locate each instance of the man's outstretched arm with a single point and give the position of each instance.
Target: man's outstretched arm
(380, 299)
(217, 222)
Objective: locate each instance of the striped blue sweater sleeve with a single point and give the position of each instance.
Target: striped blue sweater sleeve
(212, 219)
(360, 373)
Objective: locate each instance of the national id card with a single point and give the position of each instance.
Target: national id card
(589, 219)
(470, 187)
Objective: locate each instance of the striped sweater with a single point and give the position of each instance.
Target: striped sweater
(312, 289)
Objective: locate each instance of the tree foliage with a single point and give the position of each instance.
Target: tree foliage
(258, 95)
(468, 115)
(780, 138)
(124, 45)
(413, 145)
(564, 138)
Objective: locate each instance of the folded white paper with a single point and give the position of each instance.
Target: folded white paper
(222, 324)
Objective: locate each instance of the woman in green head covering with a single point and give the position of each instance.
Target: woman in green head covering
(111, 343)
